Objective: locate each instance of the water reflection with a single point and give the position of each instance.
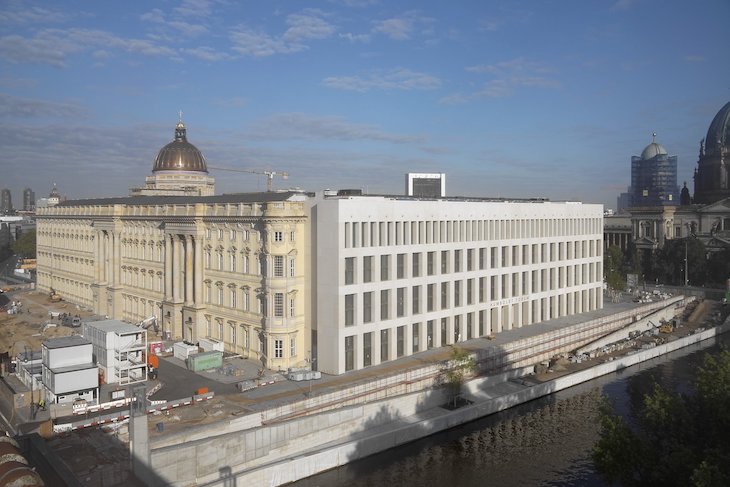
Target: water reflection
(545, 442)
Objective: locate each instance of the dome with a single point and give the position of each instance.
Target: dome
(180, 155)
(652, 150)
(718, 135)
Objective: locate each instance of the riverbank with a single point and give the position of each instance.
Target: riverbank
(488, 398)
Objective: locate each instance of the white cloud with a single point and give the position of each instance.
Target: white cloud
(405, 26)
(398, 79)
(195, 8)
(305, 26)
(303, 126)
(207, 54)
(18, 13)
(355, 37)
(15, 107)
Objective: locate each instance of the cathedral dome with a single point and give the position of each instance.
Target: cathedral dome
(652, 150)
(180, 155)
(718, 135)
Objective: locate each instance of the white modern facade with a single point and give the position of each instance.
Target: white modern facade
(118, 349)
(392, 276)
(69, 371)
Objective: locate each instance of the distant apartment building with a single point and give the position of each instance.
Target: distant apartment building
(6, 201)
(393, 276)
(28, 199)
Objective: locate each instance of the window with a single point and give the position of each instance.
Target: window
(220, 234)
(430, 258)
(278, 266)
(384, 298)
(470, 259)
(233, 262)
(367, 349)
(207, 233)
(444, 295)
(384, 267)
(431, 291)
(208, 296)
(416, 298)
(384, 345)
(220, 295)
(207, 259)
(367, 307)
(457, 260)
(416, 265)
(233, 298)
(220, 261)
(233, 335)
(457, 293)
(278, 305)
(292, 236)
(220, 331)
(400, 298)
(416, 328)
(278, 348)
(444, 261)
(349, 270)
(400, 266)
(246, 301)
(400, 341)
(292, 347)
(349, 353)
(291, 306)
(292, 268)
(232, 235)
(246, 264)
(349, 309)
(208, 331)
(367, 269)
(278, 236)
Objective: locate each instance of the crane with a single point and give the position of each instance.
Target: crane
(269, 174)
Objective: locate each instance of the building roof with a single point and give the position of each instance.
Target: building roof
(652, 150)
(186, 200)
(180, 155)
(63, 342)
(718, 135)
(113, 326)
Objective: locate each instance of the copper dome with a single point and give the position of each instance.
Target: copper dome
(180, 155)
(718, 135)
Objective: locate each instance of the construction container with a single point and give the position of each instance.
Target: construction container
(205, 361)
(182, 350)
(210, 345)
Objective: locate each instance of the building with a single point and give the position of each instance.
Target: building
(393, 276)
(426, 185)
(712, 175)
(6, 201)
(654, 177)
(28, 200)
(280, 276)
(68, 370)
(118, 350)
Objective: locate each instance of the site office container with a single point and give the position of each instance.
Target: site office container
(182, 350)
(205, 361)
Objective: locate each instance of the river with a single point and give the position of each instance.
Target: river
(546, 442)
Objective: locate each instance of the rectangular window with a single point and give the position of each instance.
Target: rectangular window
(220, 331)
(384, 345)
(246, 301)
(470, 259)
(400, 266)
(278, 305)
(292, 309)
(349, 270)
(469, 291)
(279, 348)
(416, 299)
(384, 304)
(400, 340)
(278, 236)
(430, 297)
(415, 331)
(278, 266)
(416, 265)
(457, 293)
(233, 335)
(246, 263)
(233, 298)
(292, 267)
(444, 261)
(457, 260)
(349, 353)
(292, 347)
(444, 295)
(430, 258)
(384, 267)
(367, 307)
(367, 349)
(220, 261)
(220, 234)
(400, 302)
(233, 262)
(349, 309)
(367, 268)
(220, 296)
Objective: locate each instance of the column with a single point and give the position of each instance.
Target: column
(189, 270)
(198, 271)
(175, 257)
(116, 262)
(168, 267)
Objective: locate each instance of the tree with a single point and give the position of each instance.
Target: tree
(718, 267)
(25, 245)
(672, 439)
(613, 268)
(460, 365)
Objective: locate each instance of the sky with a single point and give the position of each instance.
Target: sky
(508, 98)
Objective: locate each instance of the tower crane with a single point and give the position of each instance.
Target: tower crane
(269, 174)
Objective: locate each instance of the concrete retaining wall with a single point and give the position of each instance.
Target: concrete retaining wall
(295, 462)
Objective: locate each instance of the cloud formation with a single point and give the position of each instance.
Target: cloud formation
(397, 79)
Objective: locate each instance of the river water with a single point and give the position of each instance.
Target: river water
(546, 442)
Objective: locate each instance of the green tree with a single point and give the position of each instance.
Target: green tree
(613, 263)
(25, 245)
(672, 439)
(460, 365)
(718, 267)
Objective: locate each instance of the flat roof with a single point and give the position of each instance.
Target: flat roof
(63, 342)
(113, 326)
(261, 197)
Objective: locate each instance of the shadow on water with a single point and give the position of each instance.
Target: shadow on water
(546, 442)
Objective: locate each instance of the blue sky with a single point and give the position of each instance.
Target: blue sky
(508, 98)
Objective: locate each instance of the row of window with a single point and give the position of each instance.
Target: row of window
(248, 335)
(233, 234)
(460, 260)
(280, 304)
(386, 233)
(231, 264)
(453, 294)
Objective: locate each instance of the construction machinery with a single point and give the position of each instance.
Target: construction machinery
(54, 296)
(149, 321)
(269, 174)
